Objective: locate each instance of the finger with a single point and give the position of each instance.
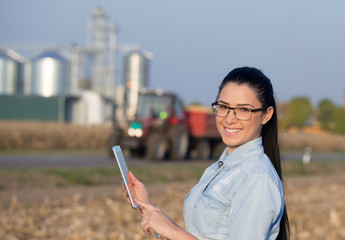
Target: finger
(132, 179)
(131, 175)
(123, 188)
(124, 191)
(146, 228)
(144, 205)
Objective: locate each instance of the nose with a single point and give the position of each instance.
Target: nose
(231, 116)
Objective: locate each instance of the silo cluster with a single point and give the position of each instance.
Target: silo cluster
(36, 88)
(44, 75)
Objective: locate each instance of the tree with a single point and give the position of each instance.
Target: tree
(339, 122)
(298, 112)
(326, 114)
(331, 117)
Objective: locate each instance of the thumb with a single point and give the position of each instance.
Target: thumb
(132, 178)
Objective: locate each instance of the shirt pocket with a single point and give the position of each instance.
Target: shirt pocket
(211, 216)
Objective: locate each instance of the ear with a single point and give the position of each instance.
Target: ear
(267, 115)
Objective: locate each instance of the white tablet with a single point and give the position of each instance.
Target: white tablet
(124, 170)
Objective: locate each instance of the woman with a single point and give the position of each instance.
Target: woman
(241, 195)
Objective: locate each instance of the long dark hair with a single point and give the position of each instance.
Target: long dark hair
(255, 79)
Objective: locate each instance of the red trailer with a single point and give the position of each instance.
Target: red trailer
(204, 138)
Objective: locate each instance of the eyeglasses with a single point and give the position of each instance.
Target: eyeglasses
(241, 113)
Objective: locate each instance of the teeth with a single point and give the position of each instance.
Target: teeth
(231, 130)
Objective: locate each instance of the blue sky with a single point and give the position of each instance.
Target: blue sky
(299, 45)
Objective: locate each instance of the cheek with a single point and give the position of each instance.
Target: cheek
(219, 123)
(256, 128)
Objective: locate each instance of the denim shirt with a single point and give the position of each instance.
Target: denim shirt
(238, 197)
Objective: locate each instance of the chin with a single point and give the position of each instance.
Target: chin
(231, 142)
(231, 145)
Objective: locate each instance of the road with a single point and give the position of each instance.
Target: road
(8, 161)
(53, 161)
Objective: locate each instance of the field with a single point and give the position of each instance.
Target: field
(40, 136)
(85, 203)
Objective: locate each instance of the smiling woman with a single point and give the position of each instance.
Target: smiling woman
(240, 196)
(245, 122)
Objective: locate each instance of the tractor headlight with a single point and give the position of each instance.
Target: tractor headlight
(135, 130)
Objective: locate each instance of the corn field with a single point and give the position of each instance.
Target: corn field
(49, 136)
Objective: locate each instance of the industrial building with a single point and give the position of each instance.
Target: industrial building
(76, 85)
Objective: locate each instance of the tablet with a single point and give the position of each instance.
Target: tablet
(124, 170)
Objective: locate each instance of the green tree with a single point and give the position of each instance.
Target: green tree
(298, 112)
(339, 121)
(326, 114)
(331, 117)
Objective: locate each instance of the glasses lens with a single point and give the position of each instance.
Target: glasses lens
(214, 109)
(243, 113)
(220, 110)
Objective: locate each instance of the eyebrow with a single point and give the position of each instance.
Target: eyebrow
(238, 105)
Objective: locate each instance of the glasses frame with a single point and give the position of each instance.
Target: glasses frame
(231, 108)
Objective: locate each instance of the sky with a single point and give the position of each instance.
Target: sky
(299, 45)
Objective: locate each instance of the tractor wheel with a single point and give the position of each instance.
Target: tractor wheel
(156, 147)
(203, 150)
(218, 150)
(179, 141)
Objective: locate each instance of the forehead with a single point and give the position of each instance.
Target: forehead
(233, 93)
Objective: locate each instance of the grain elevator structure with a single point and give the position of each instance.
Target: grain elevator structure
(77, 85)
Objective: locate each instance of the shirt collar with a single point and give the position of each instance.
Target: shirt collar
(241, 153)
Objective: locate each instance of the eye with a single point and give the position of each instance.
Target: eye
(222, 106)
(244, 110)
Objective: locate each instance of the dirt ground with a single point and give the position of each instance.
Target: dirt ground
(316, 209)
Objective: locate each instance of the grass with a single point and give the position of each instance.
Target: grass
(81, 176)
(296, 168)
(88, 176)
(149, 174)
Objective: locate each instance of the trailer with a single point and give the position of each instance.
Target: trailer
(204, 138)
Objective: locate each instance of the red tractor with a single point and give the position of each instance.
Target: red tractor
(162, 128)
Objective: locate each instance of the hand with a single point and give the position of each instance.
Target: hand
(137, 189)
(154, 219)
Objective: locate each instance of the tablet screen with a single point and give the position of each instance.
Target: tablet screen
(124, 170)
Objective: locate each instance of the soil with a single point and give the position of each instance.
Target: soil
(315, 204)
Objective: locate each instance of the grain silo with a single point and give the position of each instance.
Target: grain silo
(10, 72)
(48, 74)
(136, 75)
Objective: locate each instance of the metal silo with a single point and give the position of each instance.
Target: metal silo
(10, 71)
(136, 69)
(49, 74)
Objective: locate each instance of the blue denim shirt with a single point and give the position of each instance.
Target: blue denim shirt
(238, 197)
